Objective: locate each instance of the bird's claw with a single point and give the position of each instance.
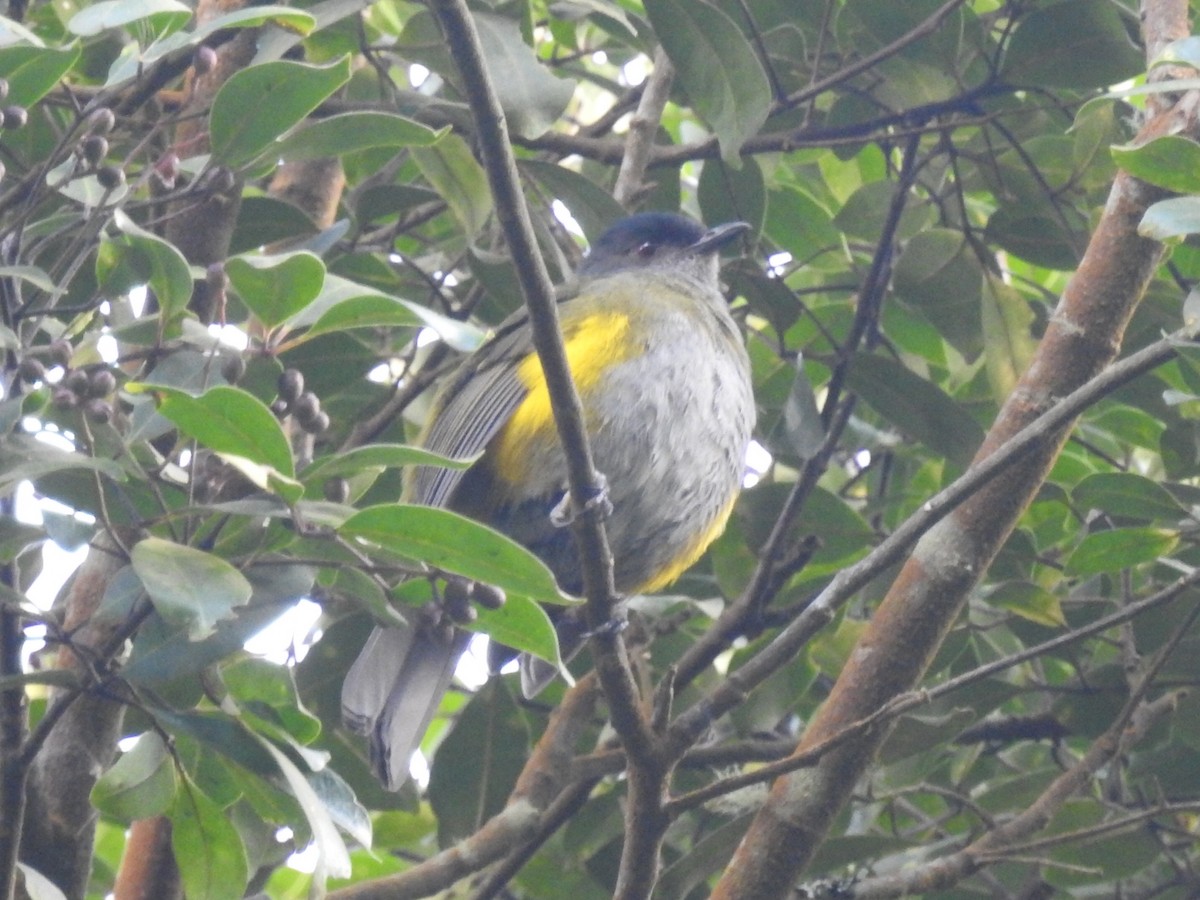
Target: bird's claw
(562, 515)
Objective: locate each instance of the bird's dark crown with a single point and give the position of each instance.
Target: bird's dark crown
(654, 239)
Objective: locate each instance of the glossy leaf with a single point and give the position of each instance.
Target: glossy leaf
(1120, 548)
(478, 763)
(532, 98)
(32, 72)
(455, 544)
(916, 407)
(1127, 494)
(137, 258)
(717, 66)
(454, 173)
(1171, 161)
(344, 305)
(1008, 342)
(275, 288)
(141, 783)
(189, 588)
(384, 456)
(522, 625)
(1075, 43)
(349, 132)
(228, 420)
(280, 93)
(208, 849)
(1173, 218)
(727, 194)
(1030, 602)
(167, 15)
(333, 860)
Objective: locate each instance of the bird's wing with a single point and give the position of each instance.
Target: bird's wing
(475, 405)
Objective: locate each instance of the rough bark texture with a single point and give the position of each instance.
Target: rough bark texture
(59, 819)
(904, 633)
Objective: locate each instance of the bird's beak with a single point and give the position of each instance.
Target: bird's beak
(718, 236)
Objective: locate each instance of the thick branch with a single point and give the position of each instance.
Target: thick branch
(904, 633)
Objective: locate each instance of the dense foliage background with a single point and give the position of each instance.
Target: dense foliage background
(925, 181)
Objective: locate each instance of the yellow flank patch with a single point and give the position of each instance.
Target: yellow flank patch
(593, 343)
(690, 553)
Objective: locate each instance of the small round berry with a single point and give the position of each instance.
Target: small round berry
(102, 383)
(488, 596)
(77, 382)
(291, 385)
(319, 424)
(99, 411)
(15, 116)
(233, 368)
(94, 149)
(101, 120)
(60, 352)
(31, 369)
(204, 60)
(110, 177)
(337, 490)
(62, 398)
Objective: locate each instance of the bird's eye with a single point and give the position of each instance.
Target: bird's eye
(646, 250)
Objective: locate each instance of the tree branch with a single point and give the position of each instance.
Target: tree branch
(1082, 338)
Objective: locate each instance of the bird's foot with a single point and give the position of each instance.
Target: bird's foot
(563, 515)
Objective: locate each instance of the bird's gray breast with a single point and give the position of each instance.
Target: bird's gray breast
(669, 431)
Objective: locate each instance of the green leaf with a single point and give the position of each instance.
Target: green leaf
(521, 624)
(333, 860)
(1170, 161)
(32, 72)
(280, 94)
(939, 274)
(35, 276)
(190, 588)
(727, 194)
(165, 16)
(532, 98)
(453, 172)
(208, 849)
(349, 132)
(275, 288)
(16, 536)
(1127, 494)
(343, 305)
(592, 207)
(454, 543)
(228, 420)
(1120, 548)
(916, 407)
(1008, 342)
(295, 20)
(24, 458)
(1072, 44)
(381, 456)
(140, 784)
(1175, 217)
(478, 763)
(265, 220)
(1185, 51)
(257, 683)
(717, 66)
(1037, 234)
(1029, 601)
(136, 258)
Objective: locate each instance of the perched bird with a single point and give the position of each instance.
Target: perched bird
(664, 380)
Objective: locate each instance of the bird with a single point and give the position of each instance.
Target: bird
(664, 380)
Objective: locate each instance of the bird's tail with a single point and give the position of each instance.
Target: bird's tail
(393, 690)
